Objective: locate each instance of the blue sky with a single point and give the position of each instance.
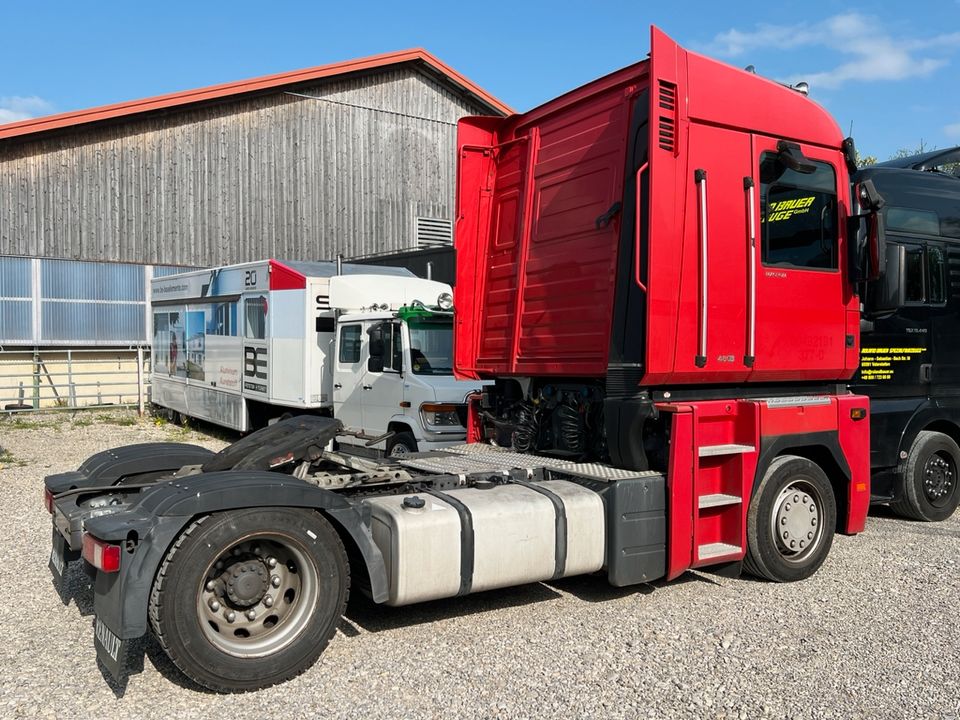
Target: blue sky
(890, 68)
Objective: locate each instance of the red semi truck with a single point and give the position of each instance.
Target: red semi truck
(658, 271)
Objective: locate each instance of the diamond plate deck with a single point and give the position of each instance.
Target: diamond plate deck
(479, 458)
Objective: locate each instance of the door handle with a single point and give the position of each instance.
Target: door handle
(926, 373)
(367, 387)
(337, 386)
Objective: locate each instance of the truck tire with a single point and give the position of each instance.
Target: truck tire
(401, 444)
(249, 598)
(928, 479)
(790, 522)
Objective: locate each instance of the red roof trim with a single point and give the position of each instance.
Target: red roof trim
(214, 92)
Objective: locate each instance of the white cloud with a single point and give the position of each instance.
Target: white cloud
(952, 130)
(874, 54)
(16, 108)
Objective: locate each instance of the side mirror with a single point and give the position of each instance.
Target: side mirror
(876, 246)
(887, 294)
(376, 341)
(375, 363)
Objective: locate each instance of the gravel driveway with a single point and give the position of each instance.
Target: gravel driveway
(873, 634)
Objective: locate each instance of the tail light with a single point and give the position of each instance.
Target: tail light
(102, 555)
(48, 500)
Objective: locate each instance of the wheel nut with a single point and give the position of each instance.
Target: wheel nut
(230, 616)
(268, 601)
(251, 615)
(810, 536)
(218, 564)
(214, 605)
(801, 543)
(272, 562)
(236, 551)
(275, 581)
(793, 543)
(210, 585)
(256, 549)
(783, 521)
(796, 498)
(813, 522)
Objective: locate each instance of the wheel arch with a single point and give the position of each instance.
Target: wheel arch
(822, 449)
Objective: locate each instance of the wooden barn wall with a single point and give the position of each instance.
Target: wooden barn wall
(270, 176)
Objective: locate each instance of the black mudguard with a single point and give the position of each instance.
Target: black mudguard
(111, 466)
(148, 529)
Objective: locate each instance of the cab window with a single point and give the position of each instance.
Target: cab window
(349, 352)
(925, 275)
(798, 215)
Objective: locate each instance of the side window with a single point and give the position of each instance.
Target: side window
(255, 312)
(349, 352)
(913, 275)
(925, 275)
(798, 215)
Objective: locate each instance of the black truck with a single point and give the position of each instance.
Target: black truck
(910, 358)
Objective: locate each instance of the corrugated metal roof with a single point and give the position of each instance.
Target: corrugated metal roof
(267, 82)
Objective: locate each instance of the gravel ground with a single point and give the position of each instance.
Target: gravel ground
(873, 634)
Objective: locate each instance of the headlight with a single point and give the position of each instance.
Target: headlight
(445, 301)
(439, 415)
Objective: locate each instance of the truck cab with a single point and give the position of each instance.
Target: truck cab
(910, 354)
(393, 368)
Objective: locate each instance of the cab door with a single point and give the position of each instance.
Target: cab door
(382, 385)
(800, 301)
(349, 368)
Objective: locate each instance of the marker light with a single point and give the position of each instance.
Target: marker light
(48, 500)
(103, 556)
(445, 301)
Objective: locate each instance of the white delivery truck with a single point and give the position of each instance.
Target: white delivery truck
(242, 345)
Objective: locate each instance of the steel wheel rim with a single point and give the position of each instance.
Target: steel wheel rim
(796, 521)
(399, 450)
(280, 613)
(939, 478)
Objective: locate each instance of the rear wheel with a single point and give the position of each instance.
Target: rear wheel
(250, 598)
(929, 488)
(791, 521)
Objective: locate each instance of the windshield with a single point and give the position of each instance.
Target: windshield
(431, 347)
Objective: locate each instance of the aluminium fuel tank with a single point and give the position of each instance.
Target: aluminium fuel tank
(443, 544)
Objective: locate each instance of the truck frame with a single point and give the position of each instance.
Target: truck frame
(661, 400)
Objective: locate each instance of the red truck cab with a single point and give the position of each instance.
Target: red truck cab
(655, 270)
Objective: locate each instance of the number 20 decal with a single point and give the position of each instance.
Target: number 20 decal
(250, 278)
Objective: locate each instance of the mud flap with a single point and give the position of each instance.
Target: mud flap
(111, 650)
(59, 564)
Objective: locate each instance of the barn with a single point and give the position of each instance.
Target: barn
(354, 158)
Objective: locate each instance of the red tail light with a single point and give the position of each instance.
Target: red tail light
(48, 500)
(103, 556)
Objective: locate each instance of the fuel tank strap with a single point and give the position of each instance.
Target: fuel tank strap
(467, 541)
(560, 514)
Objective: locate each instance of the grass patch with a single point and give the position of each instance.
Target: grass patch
(7, 459)
(20, 423)
(122, 420)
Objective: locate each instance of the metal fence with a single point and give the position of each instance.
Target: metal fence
(54, 379)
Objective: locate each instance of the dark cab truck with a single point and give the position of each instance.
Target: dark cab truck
(670, 363)
(910, 356)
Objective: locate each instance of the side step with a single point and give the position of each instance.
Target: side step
(729, 449)
(715, 550)
(719, 500)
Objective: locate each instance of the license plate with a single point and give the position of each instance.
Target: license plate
(58, 555)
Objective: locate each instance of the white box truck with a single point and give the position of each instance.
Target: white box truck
(241, 345)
